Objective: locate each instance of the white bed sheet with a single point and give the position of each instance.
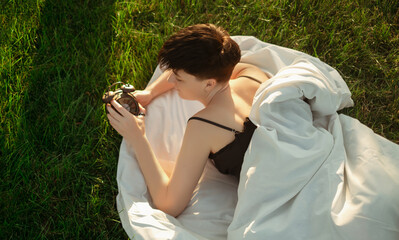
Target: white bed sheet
(309, 173)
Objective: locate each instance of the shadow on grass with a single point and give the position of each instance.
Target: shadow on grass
(65, 188)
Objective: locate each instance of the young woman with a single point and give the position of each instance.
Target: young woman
(202, 63)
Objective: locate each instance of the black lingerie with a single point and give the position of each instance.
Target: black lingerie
(229, 159)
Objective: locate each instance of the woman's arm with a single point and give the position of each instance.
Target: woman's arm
(156, 88)
(170, 195)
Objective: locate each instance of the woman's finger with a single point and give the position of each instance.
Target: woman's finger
(142, 110)
(115, 115)
(121, 110)
(111, 115)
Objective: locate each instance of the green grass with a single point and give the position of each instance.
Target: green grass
(58, 152)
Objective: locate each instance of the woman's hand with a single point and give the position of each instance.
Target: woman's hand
(125, 123)
(144, 97)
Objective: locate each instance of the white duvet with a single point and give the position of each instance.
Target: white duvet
(309, 173)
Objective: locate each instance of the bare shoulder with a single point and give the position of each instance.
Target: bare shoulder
(198, 125)
(199, 132)
(215, 136)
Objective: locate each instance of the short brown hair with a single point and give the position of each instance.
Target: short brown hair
(202, 50)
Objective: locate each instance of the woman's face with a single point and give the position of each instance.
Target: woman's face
(188, 86)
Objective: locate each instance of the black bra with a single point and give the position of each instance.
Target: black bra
(216, 124)
(229, 159)
(254, 79)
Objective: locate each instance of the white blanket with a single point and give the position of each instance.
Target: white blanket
(308, 173)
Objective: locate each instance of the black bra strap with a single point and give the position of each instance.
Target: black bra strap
(254, 79)
(213, 123)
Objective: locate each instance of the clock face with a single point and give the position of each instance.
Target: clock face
(129, 103)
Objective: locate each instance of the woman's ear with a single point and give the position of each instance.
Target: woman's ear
(210, 83)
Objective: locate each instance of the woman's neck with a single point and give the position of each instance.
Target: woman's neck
(215, 93)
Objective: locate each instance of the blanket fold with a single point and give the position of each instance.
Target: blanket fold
(298, 168)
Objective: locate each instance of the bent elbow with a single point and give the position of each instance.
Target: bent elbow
(172, 212)
(170, 209)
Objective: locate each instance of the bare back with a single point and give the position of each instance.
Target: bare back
(232, 106)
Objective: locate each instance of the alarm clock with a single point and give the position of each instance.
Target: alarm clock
(124, 96)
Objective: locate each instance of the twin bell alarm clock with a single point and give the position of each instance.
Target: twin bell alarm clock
(124, 96)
